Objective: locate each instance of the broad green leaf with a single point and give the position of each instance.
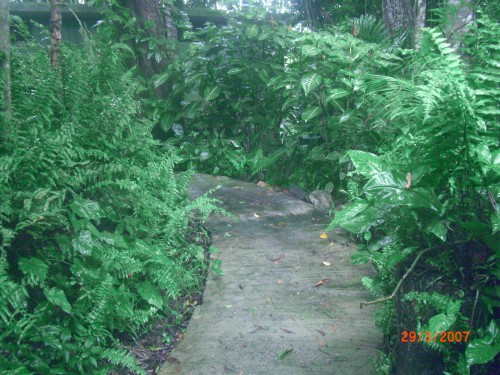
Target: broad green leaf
(150, 294)
(388, 191)
(162, 79)
(336, 94)
(57, 297)
(453, 307)
(366, 163)
(483, 153)
(310, 51)
(362, 223)
(86, 208)
(166, 121)
(252, 31)
(438, 229)
(441, 322)
(357, 217)
(311, 112)
(192, 110)
(485, 349)
(34, 267)
(211, 93)
(310, 81)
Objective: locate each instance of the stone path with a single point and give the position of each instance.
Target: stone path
(265, 315)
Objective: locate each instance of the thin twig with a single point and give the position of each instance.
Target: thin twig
(393, 294)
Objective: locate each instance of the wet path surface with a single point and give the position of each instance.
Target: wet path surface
(265, 315)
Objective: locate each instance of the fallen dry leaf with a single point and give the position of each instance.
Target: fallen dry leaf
(262, 184)
(278, 258)
(286, 330)
(259, 328)
(280, 282)
(324, 235)
(321, 343)
(254, 214)
(268, 299)
(326, 263)
(322, 332)
(322, 282)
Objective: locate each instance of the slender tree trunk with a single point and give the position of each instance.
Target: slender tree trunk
(398, 16)
(154, 18)
(5, 53)
(55, 33)
(421, 6)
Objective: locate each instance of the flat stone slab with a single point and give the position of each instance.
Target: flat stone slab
(266, 315)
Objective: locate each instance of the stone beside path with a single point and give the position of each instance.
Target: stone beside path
(265, 315)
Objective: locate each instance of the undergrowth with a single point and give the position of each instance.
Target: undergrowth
(93, 219)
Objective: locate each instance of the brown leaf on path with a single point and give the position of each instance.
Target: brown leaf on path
(321, 343)
(262, 184)
(322, 332)
(286, 330)
(278, 258)
(322, 282)
(259, 328)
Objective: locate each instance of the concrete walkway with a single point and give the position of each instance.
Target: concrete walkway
(265, 315)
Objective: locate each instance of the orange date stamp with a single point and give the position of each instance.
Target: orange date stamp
(442, 336)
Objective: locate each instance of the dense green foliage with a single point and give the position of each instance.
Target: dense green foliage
(94, 222)
(259, 96)
(410, 137)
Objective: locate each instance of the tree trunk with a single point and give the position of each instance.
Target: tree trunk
(55, 33)
(398, 16)
(155, 21)
(421, 6)
(5, 53)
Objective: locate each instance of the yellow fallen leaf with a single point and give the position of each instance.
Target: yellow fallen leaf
(324, 235)
(268, 299)
(327, 263)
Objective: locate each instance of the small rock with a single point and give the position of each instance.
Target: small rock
(321, 199)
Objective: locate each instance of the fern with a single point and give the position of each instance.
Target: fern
(121, 357)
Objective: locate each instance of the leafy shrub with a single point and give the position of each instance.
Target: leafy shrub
(257, 96)
(430, 195)
(93, 218)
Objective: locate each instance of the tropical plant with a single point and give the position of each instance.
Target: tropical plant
(430, 195)
(94, 221)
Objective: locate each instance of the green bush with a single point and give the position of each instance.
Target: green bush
(428, 205)
(258, 96)
(94, 221)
